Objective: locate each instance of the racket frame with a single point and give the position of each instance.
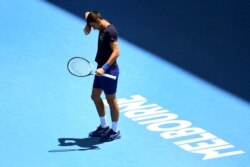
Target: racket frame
(91, 71)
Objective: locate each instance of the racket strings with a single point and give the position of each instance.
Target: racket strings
(79, 67)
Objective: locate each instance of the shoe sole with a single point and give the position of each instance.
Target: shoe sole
(104, 140)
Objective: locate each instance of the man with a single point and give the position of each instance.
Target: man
(107, 53)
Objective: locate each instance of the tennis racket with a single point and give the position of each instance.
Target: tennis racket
(81, 67)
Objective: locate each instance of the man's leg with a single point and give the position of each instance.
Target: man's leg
(103, 129)
(114, 111)
(114, 133)
(96, 97)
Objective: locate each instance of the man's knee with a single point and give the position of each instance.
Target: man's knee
(111, 99)
(96, 94)
(95, 97)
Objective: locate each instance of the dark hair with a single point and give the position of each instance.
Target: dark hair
(93, 16)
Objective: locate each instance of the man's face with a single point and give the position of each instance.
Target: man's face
(96, 25)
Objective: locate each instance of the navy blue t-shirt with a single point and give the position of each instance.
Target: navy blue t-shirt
(106, 36)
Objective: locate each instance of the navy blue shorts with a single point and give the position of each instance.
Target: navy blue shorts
(108, 85)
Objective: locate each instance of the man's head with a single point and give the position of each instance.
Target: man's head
(94, 19)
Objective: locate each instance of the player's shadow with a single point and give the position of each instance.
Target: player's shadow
(85, 144)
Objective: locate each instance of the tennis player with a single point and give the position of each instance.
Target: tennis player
(107, 54)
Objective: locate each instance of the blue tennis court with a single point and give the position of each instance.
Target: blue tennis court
(168, 116)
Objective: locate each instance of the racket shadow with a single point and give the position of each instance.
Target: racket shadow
(85, 144)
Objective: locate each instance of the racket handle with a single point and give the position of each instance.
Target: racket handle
(109, 76)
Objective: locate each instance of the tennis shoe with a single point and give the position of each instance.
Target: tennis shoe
(111, 135)
(99, 132)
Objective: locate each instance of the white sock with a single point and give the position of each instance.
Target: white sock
(103, 121)
(114, 126)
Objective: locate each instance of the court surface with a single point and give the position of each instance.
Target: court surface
(169, 118)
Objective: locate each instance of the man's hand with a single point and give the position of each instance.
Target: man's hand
(100, 71)
(87, 29)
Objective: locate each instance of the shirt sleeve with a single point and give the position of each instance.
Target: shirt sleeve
(113, 36)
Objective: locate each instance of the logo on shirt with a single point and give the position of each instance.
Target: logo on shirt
(102, 36)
